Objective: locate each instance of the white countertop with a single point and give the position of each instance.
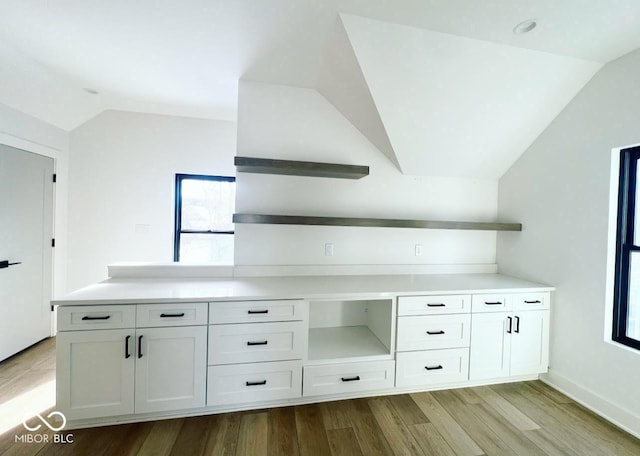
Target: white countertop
(131, 291)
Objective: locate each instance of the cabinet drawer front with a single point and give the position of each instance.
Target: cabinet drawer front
(257, 311)
(531, 301)
(256, 342)
(348, 377)
(73, 318)
(255, 382)
(432, 305)
(156, 315)
(432, 332)
(490, 303)
(432, 367)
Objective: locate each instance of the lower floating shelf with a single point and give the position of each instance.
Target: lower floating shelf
(345, 343)
(373, 222)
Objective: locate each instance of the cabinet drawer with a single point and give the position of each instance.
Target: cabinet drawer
(255, 382)
(432, 367)
(531, 301)
(155, 315)
(257, 311)
(490, 303)
(432, 305)
(348, 377)
(73, 318)
(432, 332)
(256, 342)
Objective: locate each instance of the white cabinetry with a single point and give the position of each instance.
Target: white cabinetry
(510, 335)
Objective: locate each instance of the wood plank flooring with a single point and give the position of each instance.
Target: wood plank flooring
(526, 418)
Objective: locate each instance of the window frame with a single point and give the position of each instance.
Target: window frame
(629, 159)
(178, 231)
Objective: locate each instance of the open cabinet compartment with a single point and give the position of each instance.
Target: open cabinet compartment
(351, 330)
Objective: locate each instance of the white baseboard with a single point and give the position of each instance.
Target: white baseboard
(616, 414)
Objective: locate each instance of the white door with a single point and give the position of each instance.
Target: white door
(490, 345)
(26, 226)
(171, 368)
(530, 343)
(95, 372)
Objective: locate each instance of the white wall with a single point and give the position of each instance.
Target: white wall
(559, 190)
(121, 187)
(299, 124)
(28, 133)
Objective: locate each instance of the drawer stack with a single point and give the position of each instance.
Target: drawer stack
(255, 351)
(434, 334)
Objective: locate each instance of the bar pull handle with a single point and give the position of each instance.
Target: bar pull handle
(164, 315)
(517, 324)
(510, 324)
(434, 333)
(89, 318)
(350, 379)
(436, 304)
(533, 302)
(263, 382)
(5, 264)
(127, 355)
(430, 368)
(139, 347)
(262, 342)
(493, 303)
(253, 312)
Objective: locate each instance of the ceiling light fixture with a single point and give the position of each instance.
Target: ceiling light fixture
(525, 27)
(91, 91)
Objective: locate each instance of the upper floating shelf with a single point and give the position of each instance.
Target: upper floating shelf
(373, 222)
(299, 168)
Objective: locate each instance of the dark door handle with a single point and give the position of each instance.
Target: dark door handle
(251, 312)
(510, 324)
(350, 379)
(164, 315)
(6, 264)
(434, 333)
(263, 382)
(126, 347)
(262, 342)
(139, 346)
(517, 324)
(89, 318)
(436, 304)
(430, 368)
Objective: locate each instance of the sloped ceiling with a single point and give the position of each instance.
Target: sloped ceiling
(450, 106)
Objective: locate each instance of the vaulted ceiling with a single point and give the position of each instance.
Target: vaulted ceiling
(405, 66)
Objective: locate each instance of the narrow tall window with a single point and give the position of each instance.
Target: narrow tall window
(626, 310)
(203, 219)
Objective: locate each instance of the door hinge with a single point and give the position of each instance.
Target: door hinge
(55, 177)
(53, 242)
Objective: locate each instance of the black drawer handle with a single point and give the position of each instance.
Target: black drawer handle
(88, 318)
(350, 379)
(430, 368)
(164, 315)
(436, 304)
(253, 312)
(435, 333)
(494, 303)
(263, 382)
(533, 302)
(517, 324)
(140, 347)
(510, 325)
(127, 355)
(262, 342)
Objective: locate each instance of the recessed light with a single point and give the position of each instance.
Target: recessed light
(91, 91)
(525, 27)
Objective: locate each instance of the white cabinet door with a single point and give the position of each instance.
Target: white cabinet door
(490, 345)
(95, 373)
(530, 343)
(171, 368)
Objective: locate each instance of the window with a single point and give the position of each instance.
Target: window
(626, 305)
(203, 215)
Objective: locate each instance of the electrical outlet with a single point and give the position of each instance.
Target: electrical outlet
(418, 249)
(328, 249)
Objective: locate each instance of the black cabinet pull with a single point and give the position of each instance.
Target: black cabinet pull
(262, 342)
(533, 302)
(164, 315)
(263, 382)
(493, 303)
(127, 355)
(140, 347)
(430, 368)
(510, 323)
(517, 324)
(252, 312)
(5, 264)
(436, 304)
(87, 317)
(350, 379)
(434, 333)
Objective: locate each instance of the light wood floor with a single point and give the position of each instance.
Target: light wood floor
(527, 418)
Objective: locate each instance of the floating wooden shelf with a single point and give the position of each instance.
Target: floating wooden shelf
(299, 168)
(373, 222)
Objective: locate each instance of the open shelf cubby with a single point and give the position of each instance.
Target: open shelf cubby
(349, 331)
